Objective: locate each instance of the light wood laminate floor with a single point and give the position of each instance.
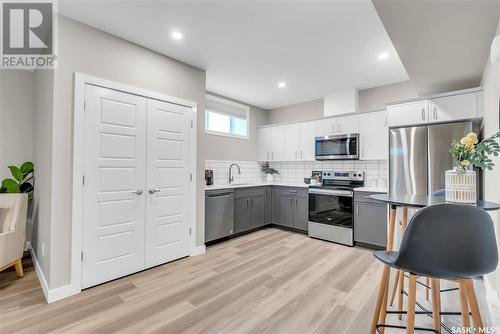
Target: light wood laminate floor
(268, 281)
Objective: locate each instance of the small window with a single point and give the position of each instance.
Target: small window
(226, 118)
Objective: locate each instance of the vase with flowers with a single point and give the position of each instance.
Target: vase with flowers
(469, 152)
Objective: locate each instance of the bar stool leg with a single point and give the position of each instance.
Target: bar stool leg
(464, 306)
(427, 282)
(471, 296)
(400, 297)
(436, 304)
(395, 287)
(412, 292)
(382, 291)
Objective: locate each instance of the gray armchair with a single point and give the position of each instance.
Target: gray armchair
(13, 212)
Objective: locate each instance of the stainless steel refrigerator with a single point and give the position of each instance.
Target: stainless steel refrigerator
(419, 156)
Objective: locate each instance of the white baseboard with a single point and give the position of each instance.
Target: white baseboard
(198, 250)
(51, 295)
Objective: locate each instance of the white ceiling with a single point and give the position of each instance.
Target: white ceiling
(247, 47)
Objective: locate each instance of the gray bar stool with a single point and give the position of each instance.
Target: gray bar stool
(446, 241)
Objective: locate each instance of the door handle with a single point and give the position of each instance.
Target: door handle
(138, 192)
(423, 114)
(357, 209)
(251, 202)
(152, 191)
(247, 204)
(296, 202)
(435, 113)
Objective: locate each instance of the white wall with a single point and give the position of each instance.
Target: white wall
(16, 119)
(90, 51)
(304, 111)
(227, 148)
(491, 86)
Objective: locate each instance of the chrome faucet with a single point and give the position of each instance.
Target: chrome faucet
(231, 178)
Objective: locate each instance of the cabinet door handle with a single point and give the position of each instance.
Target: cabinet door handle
(296, 202)
(357, 209)
(435, 113)
(247, 204)
(423, 114)
(272, 155)
(251, 202)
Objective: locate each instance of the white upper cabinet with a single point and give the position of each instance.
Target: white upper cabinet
(460, 106)
(278, 143)
(307, 134)
(338, 125)
(456, 107)
(292, 135)
(264, 137)
(325, 127)
(408, 113)
(373, 136)
(347, 124)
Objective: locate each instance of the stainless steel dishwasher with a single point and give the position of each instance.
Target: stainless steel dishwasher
(219, 214)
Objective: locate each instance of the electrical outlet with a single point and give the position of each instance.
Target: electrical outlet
(43, 249)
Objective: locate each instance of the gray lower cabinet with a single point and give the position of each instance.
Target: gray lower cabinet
(370, 221)
(241, 216)
(293, 208)
(249, 209)
(268, 205)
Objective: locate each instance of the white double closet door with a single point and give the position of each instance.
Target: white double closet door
(136, 177)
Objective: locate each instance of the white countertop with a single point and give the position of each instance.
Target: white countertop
(372, 189)
(256, 184)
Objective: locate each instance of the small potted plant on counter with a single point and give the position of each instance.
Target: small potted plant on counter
(468, 152)
(269, 171)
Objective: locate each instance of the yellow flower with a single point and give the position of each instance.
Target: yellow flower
(473, 136)
(465, 163)
(467, 141)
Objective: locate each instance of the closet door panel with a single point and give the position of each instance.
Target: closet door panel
(168, 157)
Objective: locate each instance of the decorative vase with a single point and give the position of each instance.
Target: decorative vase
(269, 177)
(460, 187)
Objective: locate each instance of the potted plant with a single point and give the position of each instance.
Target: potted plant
(468, 152)
(269, 171)
(22, 181)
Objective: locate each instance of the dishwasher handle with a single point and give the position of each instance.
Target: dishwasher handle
(220, 195)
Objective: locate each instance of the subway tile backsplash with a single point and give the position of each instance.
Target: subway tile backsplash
(295, 171)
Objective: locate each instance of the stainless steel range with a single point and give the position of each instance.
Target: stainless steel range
(331, 205)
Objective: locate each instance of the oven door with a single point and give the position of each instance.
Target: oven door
(331, 207)
(341, 147)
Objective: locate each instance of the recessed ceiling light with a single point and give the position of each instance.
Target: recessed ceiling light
(176, 35)
(383, 55)
(282, 84)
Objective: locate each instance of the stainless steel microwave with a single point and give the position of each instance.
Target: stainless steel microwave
(337, 147)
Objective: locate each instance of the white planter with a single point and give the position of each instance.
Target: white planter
(460, 188)
(269, 178)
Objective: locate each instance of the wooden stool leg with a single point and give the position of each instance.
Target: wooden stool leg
(463, 304)
(400, 297)
(19, 268)
(427, 282)
(382, 291)
(383, 309)
(395, 287)
(412, 292)
(436, 304)
(474, 307)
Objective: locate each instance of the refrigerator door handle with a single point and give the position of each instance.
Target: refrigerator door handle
(435, 113)
(423, 114)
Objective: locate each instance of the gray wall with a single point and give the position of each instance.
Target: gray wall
(90, 51)
(491, 86)
(375, 98)
(41, 232)
(16, 118)
(369, 100)
(227, 148)
(296, 112)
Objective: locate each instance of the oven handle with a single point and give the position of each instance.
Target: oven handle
(343, 193)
